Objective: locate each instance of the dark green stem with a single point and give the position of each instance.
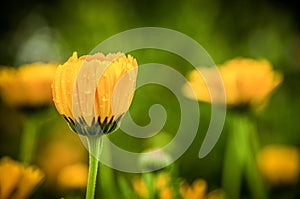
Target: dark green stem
(28, 140)
(94, 152)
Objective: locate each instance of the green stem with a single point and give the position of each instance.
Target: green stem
(253, 177)
(233, 162)
(240, 159)
(94, 152)
(149, 181)
(28, 140)
(107, 181)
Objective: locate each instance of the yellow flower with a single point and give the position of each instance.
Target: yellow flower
(16, 180)
(195, 191)
(161, 184)
(27, 86)
(139, 187)
(73, 176)
(162, 180)
(10, 173)
(198, 191)
(93, 92)
(279, 164)
(246, 82)
(57, 155)
(166, 193)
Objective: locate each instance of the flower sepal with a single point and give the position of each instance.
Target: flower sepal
(97, 128)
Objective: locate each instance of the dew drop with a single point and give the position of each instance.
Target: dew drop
(104, 99)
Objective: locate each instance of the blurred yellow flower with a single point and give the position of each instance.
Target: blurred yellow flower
(195, 191)
(27, 86)
(279, 164)
(73, 176)
(162, 180)
(246, 82)
(161, 184)
(166, 193)
(57, 155)
(93, 92)
(139, 187)
(198, 191)
(10, 173)
(18, 181)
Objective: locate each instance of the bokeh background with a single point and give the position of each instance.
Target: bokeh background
(50, 31)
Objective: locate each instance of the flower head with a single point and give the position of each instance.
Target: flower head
(279, 164)
(246, 82)
(27, 86)
(197, 190)
(18, 180)
(93, 92)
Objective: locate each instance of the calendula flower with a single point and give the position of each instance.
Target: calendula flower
(27, 86)
(73, 176)
(18, 181)
(279, 164)
(93, 92)
(247, 82)
(197, 190)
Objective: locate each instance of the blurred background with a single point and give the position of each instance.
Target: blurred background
(50, 31)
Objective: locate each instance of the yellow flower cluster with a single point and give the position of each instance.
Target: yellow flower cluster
(247, 82)
(27, 86)
(279, 164)
(18, 181)
(163, 186)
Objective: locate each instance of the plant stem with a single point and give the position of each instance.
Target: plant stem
(233, 161)
(28, 140)
(94, 152)
(240, 159)
(107, 181)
